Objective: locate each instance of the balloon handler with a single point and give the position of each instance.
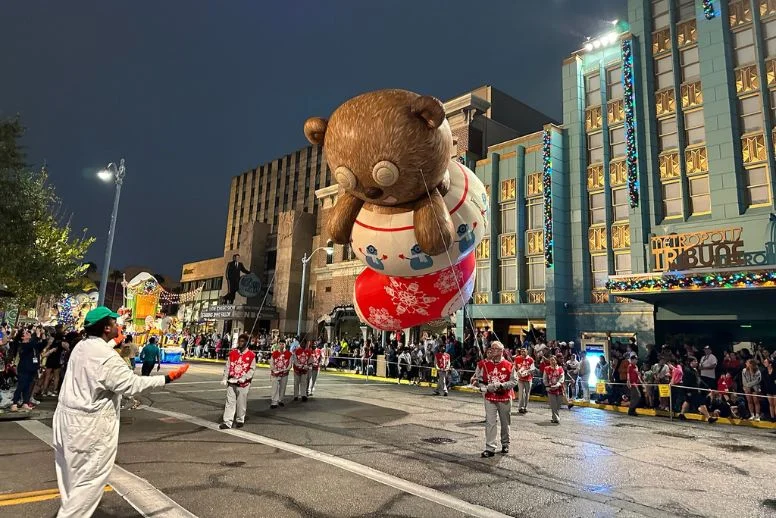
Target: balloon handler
(86, 421)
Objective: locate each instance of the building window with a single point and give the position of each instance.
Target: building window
(686, 33)
(665, 102)
(667, 134)
(483, 249)
(621, 236)
(767, 8)
(672, 199)
(696, 160)
(536, 270)
(692, 95)
(758, 189)
(597, 208)
(620, 204)
(739, 13)
(747, 80)
(618, 172)
(743, 46)
(508, 190)
(750, 114)
(347, 252)
(596, 237)
(535, 213)
(691, 67)
(661, 41)
(700, 202)
(622, 264)
(508, 275)
(600, 268)
(694, 131)
(617, 142)
(615, 111)
(535, 185)
(508, 245)
(661, 17)
(668, 165)
(482, 282)
(593, 119)
(535, 241)
(508, 218)
(595, 177)
(595, 148)
(664, 72)
(753, 149)
(593, 90)
(614, 83)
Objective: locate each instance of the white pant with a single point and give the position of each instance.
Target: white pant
(524, 392)
(313, 374)
(554, 400)
(278, 389)
(236, 404)
(501, 411)
(300, 385)
(85, 448)
(442, 381)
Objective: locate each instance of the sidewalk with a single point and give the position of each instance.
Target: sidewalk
(586, 404)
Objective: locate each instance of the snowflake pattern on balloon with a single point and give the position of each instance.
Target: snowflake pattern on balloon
(408, 298)
(447, 281)
(382, 319)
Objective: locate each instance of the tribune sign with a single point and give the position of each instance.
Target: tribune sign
(721, 248)
(229, 312)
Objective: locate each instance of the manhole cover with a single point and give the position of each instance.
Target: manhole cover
(439, 440)
(770, 503)
(235, 464)
(740, 448)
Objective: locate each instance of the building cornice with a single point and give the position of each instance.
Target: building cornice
(466, 102)
(325, 192)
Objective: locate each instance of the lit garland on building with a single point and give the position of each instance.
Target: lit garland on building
(705, 281)
(547, 190)
(630, 123)
(708, 9)
(152, 287)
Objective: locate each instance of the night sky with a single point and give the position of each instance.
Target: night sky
(192, 93)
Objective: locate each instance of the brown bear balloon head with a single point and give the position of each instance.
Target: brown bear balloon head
(386, 147)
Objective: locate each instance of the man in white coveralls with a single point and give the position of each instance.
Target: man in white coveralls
(86, 421)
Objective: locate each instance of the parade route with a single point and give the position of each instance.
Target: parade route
(366, 448)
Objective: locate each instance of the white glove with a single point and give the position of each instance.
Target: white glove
(491, 387)
(224, 383)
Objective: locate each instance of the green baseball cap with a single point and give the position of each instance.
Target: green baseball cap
(98, 314)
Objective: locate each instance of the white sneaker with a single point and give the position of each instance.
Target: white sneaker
(751, 418)
(757, 418)
(34, 401)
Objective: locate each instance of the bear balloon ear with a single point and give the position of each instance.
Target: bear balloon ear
(430, 109)
(315, 130)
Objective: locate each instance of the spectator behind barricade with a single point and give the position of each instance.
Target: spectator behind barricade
(694, 396)
(662, 376)
(602, 374)
(751, 378)
(708, 367)
(769, 387)
(677, 376)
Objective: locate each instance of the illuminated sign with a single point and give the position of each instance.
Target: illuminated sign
(706, 249)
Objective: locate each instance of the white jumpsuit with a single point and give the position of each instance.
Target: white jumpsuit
(86, 423)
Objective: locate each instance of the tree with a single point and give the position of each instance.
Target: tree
(39, 256)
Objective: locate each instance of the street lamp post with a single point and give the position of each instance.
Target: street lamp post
(329, 248)
(117, 175)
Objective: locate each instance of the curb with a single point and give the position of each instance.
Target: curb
(542, 399)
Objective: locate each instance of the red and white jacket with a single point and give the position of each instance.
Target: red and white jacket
(442, 361)
(280, 364)
(503, 372)
(524, 366)
(554, 376)
(317, 357)
(240, 367)
(301, 360)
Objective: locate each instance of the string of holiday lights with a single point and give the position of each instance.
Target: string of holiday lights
(547, 190)
(152, 287)
(677, 281)
(66, 317)
(630, 123)
(708, 9)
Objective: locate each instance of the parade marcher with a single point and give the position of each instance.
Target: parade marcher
(150, 356)
(279, 365)
(301, 359)
(405, 365)
(86, 420)
(442, 364)
(554, 382)
(315, 367)
(524, 365)
(496, 378)
(238, 374)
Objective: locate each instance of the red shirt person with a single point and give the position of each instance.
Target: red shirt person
(634, 381)
(279, 365)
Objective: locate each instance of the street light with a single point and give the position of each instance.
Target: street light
(306, 259)
(111, 172)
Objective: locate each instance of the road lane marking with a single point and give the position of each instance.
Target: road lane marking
(30, 497)
(138, 492)
(427, 493)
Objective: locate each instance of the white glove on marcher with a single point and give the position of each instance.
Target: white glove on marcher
(224, 383)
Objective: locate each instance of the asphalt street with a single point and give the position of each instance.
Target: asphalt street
(366, 448)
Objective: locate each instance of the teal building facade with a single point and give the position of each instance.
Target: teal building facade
(649, 212)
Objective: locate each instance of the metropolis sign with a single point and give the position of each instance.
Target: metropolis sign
(720, 248)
